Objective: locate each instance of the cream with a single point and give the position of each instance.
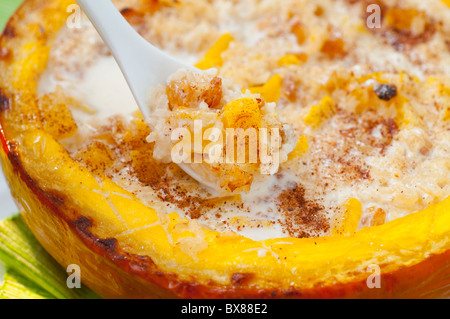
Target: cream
(102, 87)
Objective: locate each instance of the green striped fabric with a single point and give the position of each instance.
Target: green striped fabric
(31, 273)
(7, 8)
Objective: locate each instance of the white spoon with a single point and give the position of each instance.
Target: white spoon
(143, 65)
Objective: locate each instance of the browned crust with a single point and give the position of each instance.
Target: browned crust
(398, 39)
(115, 274)
(5, 101)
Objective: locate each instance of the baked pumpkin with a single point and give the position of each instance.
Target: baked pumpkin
(127, 249)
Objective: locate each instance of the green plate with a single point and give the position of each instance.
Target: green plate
(7, 8)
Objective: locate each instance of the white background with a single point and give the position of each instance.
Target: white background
(7, 206)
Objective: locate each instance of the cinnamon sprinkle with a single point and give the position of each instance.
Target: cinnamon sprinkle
(302, 218)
